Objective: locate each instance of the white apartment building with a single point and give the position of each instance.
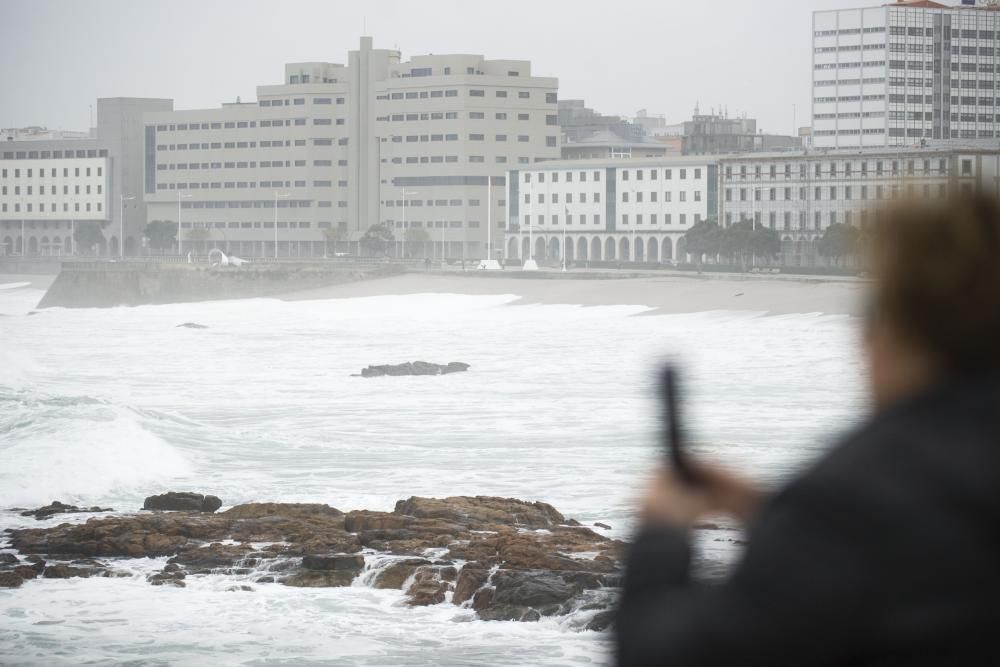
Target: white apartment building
(43, 196)
(801, 194)
(335, 149)
(905, 73)
(609, 210)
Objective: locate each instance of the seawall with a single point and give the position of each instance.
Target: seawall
(107, 284)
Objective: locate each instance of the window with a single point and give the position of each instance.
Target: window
(476, 93)
(551, 98)
(550, 142)
(522, 116)
(523, 94)
(501, 93)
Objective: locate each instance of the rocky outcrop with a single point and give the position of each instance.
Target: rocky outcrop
(503, 558)
(192, 325)
(414, 368)
(174, 501)
(56, 507)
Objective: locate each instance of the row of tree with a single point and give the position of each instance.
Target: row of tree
(741, 242)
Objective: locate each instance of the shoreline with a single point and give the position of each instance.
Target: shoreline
(673, 293)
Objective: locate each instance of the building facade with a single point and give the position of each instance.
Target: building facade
(800, 195)
(336, 149)
(48, 185)
(905, 73)
(717, 134)
(608, 210)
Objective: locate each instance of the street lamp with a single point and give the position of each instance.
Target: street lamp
(402, 242)
(565, 223)
(276, 198)
(179, 197)
(121, 220)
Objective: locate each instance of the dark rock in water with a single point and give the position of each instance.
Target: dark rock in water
(10, 580)
(168, 577)
(337, 562)
(26, 571)
(395, 574)
(320, 579)
(601, 621)
(598, 524)
(414, 368)
(57, 507)
(192, 325)
(63, 571)
(182, 502)
(9, 559)
(472, 577)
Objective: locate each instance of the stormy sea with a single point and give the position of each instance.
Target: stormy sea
(105, 407)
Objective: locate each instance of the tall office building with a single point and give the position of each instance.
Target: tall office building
(906, 73)
(335, 149)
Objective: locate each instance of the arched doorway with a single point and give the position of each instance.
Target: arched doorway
(640, 247)
(525, 248)
(8, 245)
(581, 250)
(668, 249)
(554, 250)
(653, 250)
(539, 248)
(624, 254)
(595, 250)
(18, 245)
(569, 249)
(33, 246)
(609, 250)
(67, 246)
(46, 246)
(512, 249)
(681, 250)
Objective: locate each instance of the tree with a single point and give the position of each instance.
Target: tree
(376, 239)
(415, 235)
(332, 236)
(196, 235)
(703, 239)
(745, 238)
(88, 234)
(839, 241)
(161, 234)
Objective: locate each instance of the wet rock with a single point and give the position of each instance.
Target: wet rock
(414, 368)
(395, 574)
(182, 501)
(56, 507)
(601, 621)
(482, 512)
(8, 559)
(63, 571)
(10, 580)
(470, 579)
(26, 572)
(191, 325)
(243, 587)
(169, 577)
(214, 557)
(284, 510)
(265, 580)
(320, 578)
(424, 593)
(598, 524)
(336, 562)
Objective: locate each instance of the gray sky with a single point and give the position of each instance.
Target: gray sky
(60, 55)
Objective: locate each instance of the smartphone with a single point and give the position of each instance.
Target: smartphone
(673, 424)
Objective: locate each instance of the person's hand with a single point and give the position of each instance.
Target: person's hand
(671, 500)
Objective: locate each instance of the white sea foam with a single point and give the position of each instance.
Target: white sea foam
(108, 406)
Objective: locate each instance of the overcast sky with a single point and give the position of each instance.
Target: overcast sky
(663, 55)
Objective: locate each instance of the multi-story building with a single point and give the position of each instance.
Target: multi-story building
(716, 134)
(904, 73)
(801, 194)
(49, 184)
(336, 149)
(609, 210)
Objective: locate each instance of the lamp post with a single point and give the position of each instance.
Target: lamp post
(565, 222)
(121, 220)
(402, 242)
(179, 197)
(276, 198)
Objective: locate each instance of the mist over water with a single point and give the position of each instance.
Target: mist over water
(105, 407)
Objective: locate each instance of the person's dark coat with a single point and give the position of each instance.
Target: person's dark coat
(885, 553)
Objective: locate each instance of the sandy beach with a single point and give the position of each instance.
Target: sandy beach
(673, 293)
(776, 295)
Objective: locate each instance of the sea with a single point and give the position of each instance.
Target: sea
(108, 406)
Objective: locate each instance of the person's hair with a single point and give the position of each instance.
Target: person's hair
(936, 267)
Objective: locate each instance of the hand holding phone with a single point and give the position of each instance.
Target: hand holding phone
(673, 425)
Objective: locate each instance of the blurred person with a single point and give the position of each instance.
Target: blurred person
(887, 551)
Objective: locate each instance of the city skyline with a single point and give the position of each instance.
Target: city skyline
(181, 56)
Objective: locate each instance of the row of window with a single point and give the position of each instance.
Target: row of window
(53, 208)
(282, 224)
(850, 65)
(264, 164)
(849, 47)
(390, 203)
(847, 169)
(550, 98)
(849, 31)
(438, 159)
(52, 172)
(42, 224)
(550, 119)
(298, 101)
(54, 190)
(833, 193)
(875, 80)
(54, 155)
(652, 219)
(625, 174)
